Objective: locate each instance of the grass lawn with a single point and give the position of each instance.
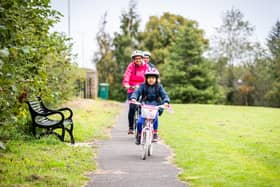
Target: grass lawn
(49, 162)
(219, 145)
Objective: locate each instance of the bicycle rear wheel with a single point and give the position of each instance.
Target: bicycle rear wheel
(136, 116)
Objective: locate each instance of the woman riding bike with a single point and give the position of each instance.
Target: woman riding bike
(133, 77)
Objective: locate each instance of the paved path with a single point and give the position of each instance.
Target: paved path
(120, 165)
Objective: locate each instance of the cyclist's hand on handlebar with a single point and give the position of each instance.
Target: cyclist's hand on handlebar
(133, 100)
(166, 105)
(134, 87)
(126, 86)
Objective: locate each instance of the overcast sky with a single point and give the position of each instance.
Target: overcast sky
(85, 16)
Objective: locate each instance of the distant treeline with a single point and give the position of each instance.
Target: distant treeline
(232, 69)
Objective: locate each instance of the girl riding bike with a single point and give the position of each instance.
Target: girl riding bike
(152, 93)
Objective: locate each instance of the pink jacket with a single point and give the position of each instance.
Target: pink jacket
(134, 75)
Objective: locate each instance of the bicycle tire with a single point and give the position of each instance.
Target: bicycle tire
(150, 149)
(135, 118)
(145, 145)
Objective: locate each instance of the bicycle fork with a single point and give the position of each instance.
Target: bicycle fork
(147, 132)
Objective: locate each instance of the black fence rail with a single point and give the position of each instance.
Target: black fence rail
(81, 88)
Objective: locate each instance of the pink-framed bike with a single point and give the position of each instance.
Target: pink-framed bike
(148, 112)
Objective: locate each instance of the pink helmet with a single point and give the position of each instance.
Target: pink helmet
(152, 71)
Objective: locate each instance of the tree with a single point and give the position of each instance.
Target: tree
(188, 76)
(232, 43)
(103, 59)
(158, 35)
(124, 43)
(255, 76)
(273, 43)
(233, 39)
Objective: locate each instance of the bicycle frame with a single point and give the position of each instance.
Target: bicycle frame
(136, 114)
(149, 113)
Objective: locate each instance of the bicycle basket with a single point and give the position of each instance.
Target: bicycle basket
(149, 112)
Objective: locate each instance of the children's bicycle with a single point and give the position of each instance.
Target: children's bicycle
(148, 112)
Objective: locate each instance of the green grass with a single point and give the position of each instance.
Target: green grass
(49, 162)
(93, 118)
(224, 145)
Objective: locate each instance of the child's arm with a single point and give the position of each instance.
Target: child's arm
(164, 95)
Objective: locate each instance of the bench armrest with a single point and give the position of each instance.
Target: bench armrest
(67, 109)
(69, 116)
(57, 110)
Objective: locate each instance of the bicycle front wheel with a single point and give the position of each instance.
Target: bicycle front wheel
(145, 145)
(150, 149)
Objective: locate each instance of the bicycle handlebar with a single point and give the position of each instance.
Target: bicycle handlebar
(131, 87)
(169, 109)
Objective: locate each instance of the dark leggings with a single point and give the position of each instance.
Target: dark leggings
(131, 112)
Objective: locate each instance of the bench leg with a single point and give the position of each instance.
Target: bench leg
(34, 130)
(60, 136)
(63, 134)
(70, 131)
(72, 137)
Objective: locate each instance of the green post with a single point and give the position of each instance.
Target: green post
(103, 90)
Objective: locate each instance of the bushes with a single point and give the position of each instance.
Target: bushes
(32, 61)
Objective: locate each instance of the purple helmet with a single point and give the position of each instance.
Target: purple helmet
(152, 71)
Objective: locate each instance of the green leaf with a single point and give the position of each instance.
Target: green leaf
(2, 27)
(26, 49)
(1, 63)
(14, 88)
(4, 52)
(14, 118)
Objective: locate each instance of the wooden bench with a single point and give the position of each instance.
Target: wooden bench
(50, 120)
